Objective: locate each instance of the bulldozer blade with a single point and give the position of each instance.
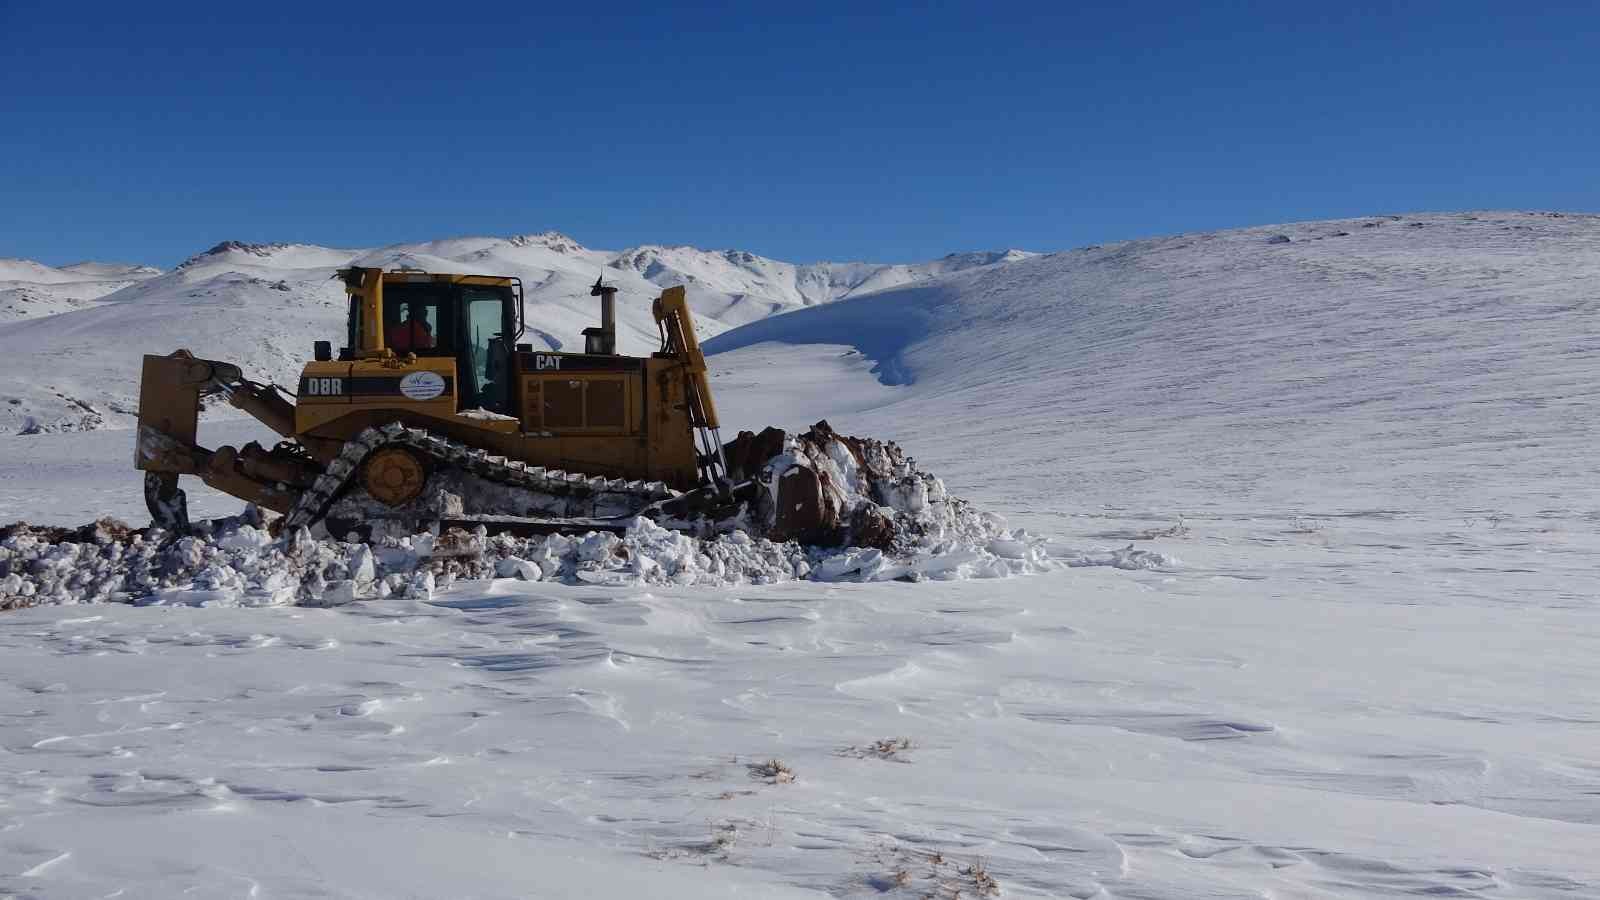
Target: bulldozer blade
(169, 405)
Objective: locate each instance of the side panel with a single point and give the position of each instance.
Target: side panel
(652, 441)
(607, 415)
(667, 428)
(333, 390)
(582, 412)
(322, 394)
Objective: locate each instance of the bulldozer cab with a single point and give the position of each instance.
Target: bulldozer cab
(474, 320)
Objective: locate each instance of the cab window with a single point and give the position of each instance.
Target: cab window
(486, 348)
(415, 319)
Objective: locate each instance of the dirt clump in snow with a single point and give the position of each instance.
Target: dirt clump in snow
(101, 531)
(773, 771)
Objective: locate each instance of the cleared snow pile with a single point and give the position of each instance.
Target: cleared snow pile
(896, 520)
(231, 562)
(645, 554)
(846, 509)
(237, 562)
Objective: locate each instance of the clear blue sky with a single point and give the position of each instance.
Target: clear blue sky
(803, 131)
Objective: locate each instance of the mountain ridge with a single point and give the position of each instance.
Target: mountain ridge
(261, 304)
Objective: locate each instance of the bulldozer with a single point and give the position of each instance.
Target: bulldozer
(433, 414)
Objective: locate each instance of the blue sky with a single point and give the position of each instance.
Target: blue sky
(148, 132)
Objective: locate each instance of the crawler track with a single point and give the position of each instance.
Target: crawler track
(446, 454)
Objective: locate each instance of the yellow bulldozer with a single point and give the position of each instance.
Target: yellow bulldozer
(432, 414)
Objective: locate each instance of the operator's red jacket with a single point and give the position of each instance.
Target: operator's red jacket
(408, 336)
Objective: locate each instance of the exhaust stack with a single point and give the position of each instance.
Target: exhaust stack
(603, 340)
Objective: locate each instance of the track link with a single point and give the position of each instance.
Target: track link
(341, 472)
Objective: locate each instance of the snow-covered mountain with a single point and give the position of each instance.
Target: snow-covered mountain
(755, 287)
(30, 289)
(104, 271)
(262, 306)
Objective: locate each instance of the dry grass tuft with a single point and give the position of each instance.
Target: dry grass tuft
(888, 749)
(1304, 525)
(716, 847)
(1180, 529)
(930, 875)
(773, 771)
(978, 874)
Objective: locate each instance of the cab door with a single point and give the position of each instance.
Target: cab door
(485, 364)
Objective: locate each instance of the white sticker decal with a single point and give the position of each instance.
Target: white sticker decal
(422, 385)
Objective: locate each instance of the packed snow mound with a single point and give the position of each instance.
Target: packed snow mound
(263, 305)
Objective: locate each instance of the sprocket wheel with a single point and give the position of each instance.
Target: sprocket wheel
(394, 476)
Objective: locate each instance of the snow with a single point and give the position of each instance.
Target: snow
(1362, 666)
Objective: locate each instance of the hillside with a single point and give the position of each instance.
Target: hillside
(82, 329)
(1241, 367)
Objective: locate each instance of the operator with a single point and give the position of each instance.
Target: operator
(412, 334)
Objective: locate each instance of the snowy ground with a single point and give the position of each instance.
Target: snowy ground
(1371, 675)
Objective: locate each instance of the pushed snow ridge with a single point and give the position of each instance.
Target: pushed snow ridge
(236, 561)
